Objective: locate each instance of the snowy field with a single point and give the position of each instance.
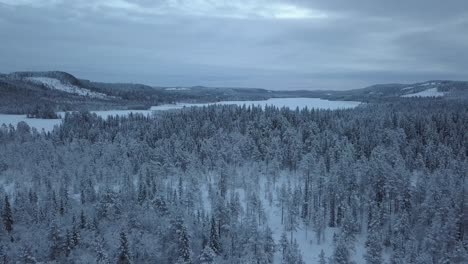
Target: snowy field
(292, 103)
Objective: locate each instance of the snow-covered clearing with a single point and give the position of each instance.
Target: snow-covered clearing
(56, 84)
(432, 92)
(306, 239)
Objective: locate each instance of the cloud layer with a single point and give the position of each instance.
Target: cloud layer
(271, 44)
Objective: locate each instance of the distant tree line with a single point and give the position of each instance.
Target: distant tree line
(43, 111)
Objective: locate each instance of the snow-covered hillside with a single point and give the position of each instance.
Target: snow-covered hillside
(56, 84)
(177, 89)
(431, 92)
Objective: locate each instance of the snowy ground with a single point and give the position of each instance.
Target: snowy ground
(308, 245)
(432, 92)
(307, 242)
(292, 103)
(53, 83)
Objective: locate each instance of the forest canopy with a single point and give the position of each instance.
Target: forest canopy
(198, 185)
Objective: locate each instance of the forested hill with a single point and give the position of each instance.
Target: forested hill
(25, 92)
(381, 183)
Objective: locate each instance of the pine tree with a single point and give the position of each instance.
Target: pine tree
(283, 200)
(341, 254)
(374, 248)
(141, 192)
(185, 253)
(124, 256)
(7, 216)
(284, 244)
(207, 256)
(26, 256)
(101, 254)
(322, 259)
(56, 241)
(292, 218)
(82, 220)
(215, 243)
(4, 259)
(75, 236)
(67, 243)
(293, 254)
(269, 245)
(319, 223)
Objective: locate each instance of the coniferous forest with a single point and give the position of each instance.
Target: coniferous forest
(381, 183)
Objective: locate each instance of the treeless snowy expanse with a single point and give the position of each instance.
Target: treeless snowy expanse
(292, 103)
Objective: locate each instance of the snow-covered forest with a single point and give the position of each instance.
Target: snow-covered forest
(228, 184)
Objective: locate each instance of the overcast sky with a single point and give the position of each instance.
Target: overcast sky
(291, 44)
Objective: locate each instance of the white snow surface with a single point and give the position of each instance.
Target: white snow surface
(432, 92)
(56, 84)
(48, 124)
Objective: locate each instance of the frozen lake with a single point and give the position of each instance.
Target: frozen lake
(292, 103)
(39, 124)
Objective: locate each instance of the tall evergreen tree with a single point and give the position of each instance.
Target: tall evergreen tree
(214, 242)
(374, 248)
(7, 216)
(185, 253)
(322, 259)
(124, 254)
